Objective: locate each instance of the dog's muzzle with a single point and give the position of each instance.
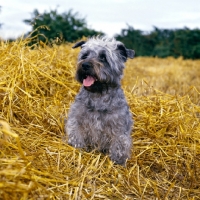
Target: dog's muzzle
(86, 66)
(88, 79)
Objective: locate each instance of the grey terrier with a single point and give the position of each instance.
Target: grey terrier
(100, 117)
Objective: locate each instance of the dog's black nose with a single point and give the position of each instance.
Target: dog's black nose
(86, 66)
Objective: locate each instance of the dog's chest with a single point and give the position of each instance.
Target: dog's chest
(94, 111)
(99, 111)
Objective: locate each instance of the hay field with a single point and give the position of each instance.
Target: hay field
(36, 88)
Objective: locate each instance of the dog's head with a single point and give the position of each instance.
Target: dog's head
(101, 63)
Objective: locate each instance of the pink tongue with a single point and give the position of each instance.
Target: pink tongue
(88, 81)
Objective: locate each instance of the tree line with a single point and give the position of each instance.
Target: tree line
(163, 42)
(52, 27)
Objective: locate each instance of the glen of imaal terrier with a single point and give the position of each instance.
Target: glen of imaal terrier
(100, 117)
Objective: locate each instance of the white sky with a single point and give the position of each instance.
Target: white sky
(109, 16)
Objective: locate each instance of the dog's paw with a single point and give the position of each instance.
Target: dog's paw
(76, 143)
(119, 161)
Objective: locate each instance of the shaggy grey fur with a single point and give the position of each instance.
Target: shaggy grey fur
(100, 117)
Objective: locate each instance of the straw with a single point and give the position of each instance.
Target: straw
(37, 86)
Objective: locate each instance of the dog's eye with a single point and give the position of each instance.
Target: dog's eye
(102, 57)
(84, 56)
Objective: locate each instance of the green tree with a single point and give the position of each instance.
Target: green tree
(136, 39)
(186, 43)
(163, 42)
(162, 45)
(50, 26)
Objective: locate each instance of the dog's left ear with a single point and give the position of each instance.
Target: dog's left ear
(78, 44)
(126, 53)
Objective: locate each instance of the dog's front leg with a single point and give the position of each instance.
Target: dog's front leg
(120, 149)
(75, 138)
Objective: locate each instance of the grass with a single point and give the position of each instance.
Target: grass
(36, 89)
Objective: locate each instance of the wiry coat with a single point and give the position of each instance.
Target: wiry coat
(100, 117)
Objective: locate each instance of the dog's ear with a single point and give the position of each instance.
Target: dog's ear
(78, 44)
(130, 53)
(126, 53)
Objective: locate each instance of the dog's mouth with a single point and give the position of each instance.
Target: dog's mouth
(88, 81)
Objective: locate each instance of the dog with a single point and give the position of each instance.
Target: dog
(100, 117)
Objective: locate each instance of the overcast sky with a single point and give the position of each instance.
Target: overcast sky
(109, 16)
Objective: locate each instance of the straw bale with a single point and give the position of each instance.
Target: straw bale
(36, 88)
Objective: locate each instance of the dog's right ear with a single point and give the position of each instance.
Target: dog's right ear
(78, 44)
(126, 53)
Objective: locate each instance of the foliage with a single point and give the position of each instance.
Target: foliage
(51, 26)
(163, 42)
